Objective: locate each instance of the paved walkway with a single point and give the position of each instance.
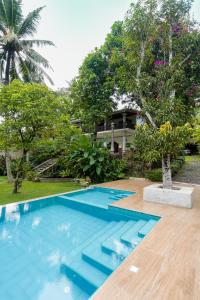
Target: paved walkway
(190, 172)
(166, 265)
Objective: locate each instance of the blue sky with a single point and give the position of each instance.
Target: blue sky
(76, 27)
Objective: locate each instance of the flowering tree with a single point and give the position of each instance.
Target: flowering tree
(159, 72)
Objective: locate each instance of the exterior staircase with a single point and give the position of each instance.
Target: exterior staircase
(45, 166)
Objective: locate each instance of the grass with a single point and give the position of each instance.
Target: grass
(189, 158)
(31, 190)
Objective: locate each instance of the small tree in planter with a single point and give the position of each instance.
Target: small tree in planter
(161, 144)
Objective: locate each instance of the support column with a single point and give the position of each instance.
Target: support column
(105, 125)
(105, 128)
(112, 138)
(124, 134)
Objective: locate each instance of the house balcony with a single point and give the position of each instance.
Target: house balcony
(117, 126)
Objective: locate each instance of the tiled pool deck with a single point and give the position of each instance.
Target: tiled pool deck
(166, 265)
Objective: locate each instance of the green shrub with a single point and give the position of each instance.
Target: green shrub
(88, 158)
(32, 176)
(154, 175)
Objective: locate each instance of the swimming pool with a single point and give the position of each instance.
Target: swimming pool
(65, 247)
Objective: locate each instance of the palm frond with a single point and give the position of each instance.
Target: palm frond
(10, 13)
(37, 67)
(29, 25)
(37, 57)
(23, 68)
(38, 43)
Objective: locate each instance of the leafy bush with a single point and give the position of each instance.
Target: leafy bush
(32, 176)
(156, 174)
(88, 158)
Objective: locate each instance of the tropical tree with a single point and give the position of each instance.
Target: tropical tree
(18, 57)
(159, 71)
(30, 113)
(93, 89)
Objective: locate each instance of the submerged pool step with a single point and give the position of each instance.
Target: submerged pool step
(84, 274)
(117, 247)
(94, 254)
(74, 202)
(104, 262)
(146, 228)
(90, 241)
(114, 245)
(130, 237)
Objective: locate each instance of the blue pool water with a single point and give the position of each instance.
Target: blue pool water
(65, 247)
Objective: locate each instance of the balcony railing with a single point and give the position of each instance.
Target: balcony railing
(118, 125)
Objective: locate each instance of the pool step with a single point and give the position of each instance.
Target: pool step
(84, 274)
(113, 243)
(74, 202)
(116, 247)
(107, 228)
(111, 230)
(146, 228)
(104, 262)
(130, 237)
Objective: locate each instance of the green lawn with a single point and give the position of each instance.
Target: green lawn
(192, 158)
(31, 190)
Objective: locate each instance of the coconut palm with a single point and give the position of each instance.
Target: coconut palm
(18, 57)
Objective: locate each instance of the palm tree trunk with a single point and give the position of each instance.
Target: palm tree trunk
(6, 81)
(8, 62)
(166, 169)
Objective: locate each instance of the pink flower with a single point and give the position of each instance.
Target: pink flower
(159, 62)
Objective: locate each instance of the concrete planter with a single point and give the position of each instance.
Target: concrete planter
(179, 196)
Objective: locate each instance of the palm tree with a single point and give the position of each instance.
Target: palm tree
(18, 57)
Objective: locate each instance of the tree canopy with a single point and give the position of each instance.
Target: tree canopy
(152, 60)
(31, 114)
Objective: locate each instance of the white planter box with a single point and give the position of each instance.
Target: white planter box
(179, 196)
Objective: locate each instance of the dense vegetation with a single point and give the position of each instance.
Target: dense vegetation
(151, 61)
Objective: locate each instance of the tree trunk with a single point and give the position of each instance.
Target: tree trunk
(7, 72)
(166, 169)
(139, 69)
(173, 91)
(16, 185)
(8, 168)
(17, 180)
